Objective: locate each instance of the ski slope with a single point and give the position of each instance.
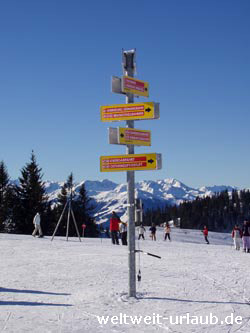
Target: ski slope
(64, 286)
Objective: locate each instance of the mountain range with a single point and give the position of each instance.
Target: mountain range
(108, 196)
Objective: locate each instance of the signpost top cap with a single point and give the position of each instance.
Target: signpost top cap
(128, 60)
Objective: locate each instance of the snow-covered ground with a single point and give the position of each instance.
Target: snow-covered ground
(64, 286)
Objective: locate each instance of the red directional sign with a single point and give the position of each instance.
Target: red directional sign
(129, 136)
(133, 135)
(134, 86)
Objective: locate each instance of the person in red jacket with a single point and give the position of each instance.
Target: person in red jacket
(114, 228)
(205, 233)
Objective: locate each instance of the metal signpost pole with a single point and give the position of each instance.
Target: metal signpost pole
(130, 162)
(128, 58)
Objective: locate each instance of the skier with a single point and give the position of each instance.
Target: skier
(246, 236)
(141, 231)
(36, 222)
(83, 229)
(114, 228)
(236, 235)
(205, 233)
(167, 232)
(123, 232)
(153, 232)
(107, 233)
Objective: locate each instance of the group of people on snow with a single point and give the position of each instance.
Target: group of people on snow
(117, 227)
(167, 231)
(243, 235)
(239, 236)
(142, 231)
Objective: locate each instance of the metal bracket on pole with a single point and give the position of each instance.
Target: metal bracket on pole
(148, 253)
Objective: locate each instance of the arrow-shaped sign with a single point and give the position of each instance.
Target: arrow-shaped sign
(131, 111)
(134, 86)
(130, 162)
(129, 136)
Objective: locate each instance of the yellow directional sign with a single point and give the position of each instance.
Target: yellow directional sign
(129, 136)
(130, 162)
(131, 111)
(134, 86)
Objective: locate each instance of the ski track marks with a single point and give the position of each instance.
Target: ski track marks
(63, 286)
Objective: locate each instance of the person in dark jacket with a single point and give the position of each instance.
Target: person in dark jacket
(153, 232)
(114, 228)
(246, 236)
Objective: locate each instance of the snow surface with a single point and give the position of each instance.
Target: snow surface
(63, 286)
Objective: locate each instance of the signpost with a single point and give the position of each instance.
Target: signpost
(135, 111)
(128, 136)
(136, 162)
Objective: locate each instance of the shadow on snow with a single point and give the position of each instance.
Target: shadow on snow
(189, 300)
(24, 303)
(31, 303)
(20, 291)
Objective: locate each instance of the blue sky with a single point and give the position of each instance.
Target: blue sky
(56, 62)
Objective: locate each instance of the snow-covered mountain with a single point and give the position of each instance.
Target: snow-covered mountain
(108, 196)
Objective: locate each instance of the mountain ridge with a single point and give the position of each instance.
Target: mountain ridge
(109, 196)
